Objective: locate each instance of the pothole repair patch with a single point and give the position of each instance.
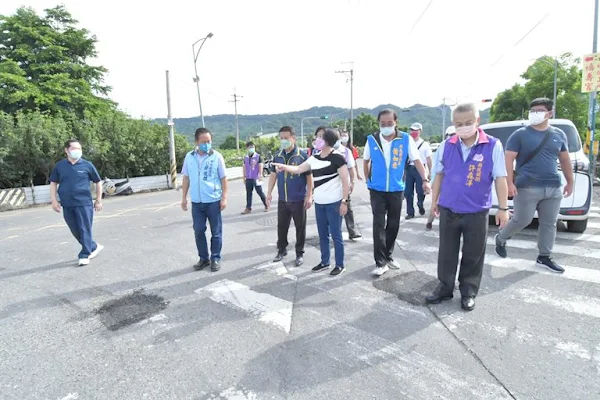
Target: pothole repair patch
(411, 287)
(130, 309)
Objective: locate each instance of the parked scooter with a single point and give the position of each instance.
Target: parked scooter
(112, 188)
(267, 167)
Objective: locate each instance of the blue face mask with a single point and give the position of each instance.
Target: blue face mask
(205, 147)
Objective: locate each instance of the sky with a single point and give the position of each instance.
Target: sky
(281, 55)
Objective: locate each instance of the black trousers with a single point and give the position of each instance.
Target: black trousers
(250, 187)
(387, 208)
(350, 224)
(474, 230)
(285, 212)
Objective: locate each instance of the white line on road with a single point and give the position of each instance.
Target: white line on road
(278, 269)
(266, 308)
(167, 206)
(571, 250)
(572, 273)
(582, 305)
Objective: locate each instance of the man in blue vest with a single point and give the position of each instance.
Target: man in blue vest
(295, 195)
(385, 155)
(468, 164)
(205, 179)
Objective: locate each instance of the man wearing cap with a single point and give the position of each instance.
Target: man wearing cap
(468, 164)
(413, 179)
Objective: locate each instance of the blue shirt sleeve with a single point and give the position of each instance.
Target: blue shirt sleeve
(563, 137)
(221, 168)
(438, 166)
(54, 176)
(184, 170)
(499, 167)
(94, 175)
(514, 141)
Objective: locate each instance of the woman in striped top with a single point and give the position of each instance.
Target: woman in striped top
(331, 188)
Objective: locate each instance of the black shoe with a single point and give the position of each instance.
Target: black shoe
(200, 265)
(356, 236)
(429, 226)
(546, 261)
(437, 298)
(337, 271)
(280, 256)
(320, 267)
(421, 211)
(299, 261)
(500, 248)
(467, 303)
(409, 217)
(215, 266)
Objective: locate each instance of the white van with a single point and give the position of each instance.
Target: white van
(574, 210)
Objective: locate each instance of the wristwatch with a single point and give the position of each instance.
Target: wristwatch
(345, 201)
(502, 209)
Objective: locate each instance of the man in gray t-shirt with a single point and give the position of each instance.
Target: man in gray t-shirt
(536, 183)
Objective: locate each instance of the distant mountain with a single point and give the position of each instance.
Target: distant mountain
(224, 125)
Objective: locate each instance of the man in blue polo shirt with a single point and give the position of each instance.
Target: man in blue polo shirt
(204, 177)
(295, 195)
(72, 176)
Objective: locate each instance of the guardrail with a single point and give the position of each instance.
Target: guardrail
(11, 199)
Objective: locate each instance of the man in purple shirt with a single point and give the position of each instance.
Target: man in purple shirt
(467, 166)
(252, 172)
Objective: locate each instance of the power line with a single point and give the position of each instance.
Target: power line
(420, 17)
(523, 38)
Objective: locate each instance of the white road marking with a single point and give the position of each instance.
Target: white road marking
(595, 209)
(9, 237)
(566, 349)
(572, 273)
(71, 396)
(167, 206)
(266, 308)
(571, 250)
(278, 269)
(582, 305)
(234, 394)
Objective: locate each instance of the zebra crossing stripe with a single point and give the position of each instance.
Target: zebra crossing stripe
(583, 305)
(571, 273)
(588, 237)
(570, 250)
(264, 307)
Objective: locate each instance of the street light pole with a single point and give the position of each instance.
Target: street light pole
(555, 66)
(196, 78)
(350, 75)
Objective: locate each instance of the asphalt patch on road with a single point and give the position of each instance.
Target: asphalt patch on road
(411, 287)
(130, 309)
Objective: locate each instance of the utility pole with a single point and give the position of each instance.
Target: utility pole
(196, 78)
(592, 108)
(350, 75)
(173, 169)
(235, 100)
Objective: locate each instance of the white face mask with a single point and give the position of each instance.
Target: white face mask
(75, 154)
(337, 145)
(387, 130)
(345, 139)
(465, 132)
(537, 117)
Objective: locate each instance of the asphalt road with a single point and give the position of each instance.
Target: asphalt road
(140, 323)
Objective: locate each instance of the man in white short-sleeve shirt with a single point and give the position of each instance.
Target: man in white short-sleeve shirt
(413, 179)
(386, 154)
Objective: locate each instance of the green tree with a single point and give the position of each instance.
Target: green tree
(364, 125)
(43, 64)
(230, 143)
(513, 103)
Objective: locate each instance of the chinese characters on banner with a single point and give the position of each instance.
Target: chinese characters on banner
(590, 80)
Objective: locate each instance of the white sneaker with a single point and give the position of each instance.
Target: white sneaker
(99, 248)
(84, 261)
(378, 271)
